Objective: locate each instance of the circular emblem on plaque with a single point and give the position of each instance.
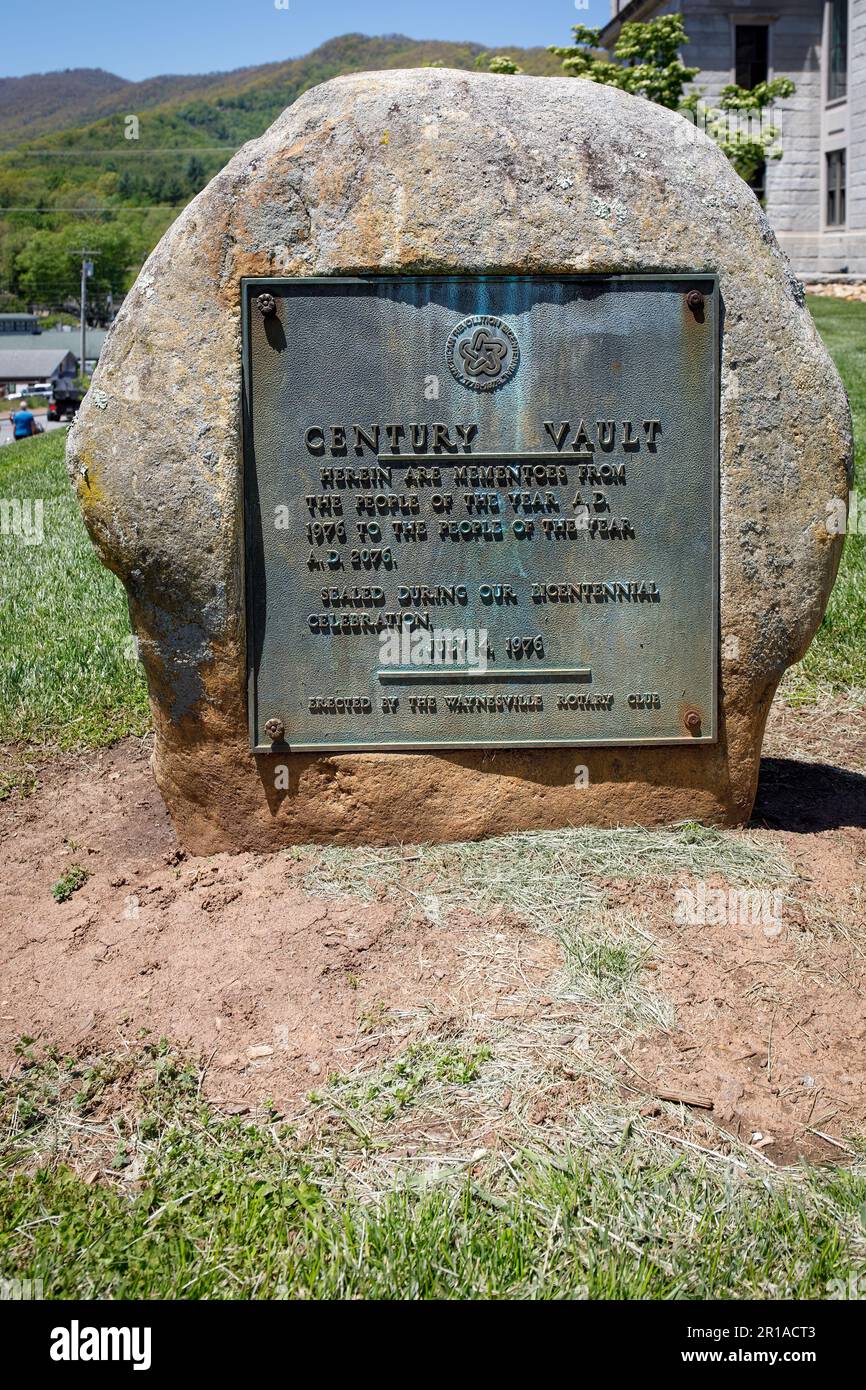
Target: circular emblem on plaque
(482, 353)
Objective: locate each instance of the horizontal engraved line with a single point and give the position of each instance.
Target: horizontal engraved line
(539, 673)
(472, 745)
(547, 455)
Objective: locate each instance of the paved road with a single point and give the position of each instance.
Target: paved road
(6, 427)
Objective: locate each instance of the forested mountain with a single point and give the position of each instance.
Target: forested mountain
(45, 102)
(75, 170)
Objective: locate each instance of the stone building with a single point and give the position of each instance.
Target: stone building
(815, 195)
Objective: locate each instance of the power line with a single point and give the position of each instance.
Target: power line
(113, 207)
(113, 151)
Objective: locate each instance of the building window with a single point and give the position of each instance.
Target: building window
(751, 66)
(836, 188)
(837, 68)
(758, 183)
(751, 54)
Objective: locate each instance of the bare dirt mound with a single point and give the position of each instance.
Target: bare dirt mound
(228, 956)
(276, 987)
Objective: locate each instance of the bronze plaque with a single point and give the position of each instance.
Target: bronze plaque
(481, 511)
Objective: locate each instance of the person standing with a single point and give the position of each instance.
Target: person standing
(24, 422)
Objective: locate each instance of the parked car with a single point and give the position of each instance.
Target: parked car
(35, 388)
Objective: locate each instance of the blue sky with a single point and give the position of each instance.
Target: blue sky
(141, 38)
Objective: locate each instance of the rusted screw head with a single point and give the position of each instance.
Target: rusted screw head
(693, 720)
(695, 300)
(275, 730)
(268, 305)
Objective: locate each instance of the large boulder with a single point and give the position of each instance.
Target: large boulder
(436, 170)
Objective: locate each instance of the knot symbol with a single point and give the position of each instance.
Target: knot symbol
(484, 355)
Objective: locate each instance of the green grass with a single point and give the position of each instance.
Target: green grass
(400, 1082)
(836, 660)
(204, 1206)
(68, 677)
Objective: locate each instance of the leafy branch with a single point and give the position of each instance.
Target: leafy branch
(646, 61)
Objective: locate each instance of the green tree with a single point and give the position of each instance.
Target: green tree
(738, 124)
(501, 63)
(48, 271)
(195, 173)
(646, 59)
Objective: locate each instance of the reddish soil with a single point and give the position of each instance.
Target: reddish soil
(771, 1028)
(230, 958)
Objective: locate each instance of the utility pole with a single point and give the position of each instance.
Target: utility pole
(87, 259)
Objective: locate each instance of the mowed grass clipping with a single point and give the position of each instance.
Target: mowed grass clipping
(68, 676)
(207, 1206)
(68, 673)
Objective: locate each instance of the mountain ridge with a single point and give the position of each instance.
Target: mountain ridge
(116, 186)
(41, 104)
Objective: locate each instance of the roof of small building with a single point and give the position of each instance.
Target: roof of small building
(54, 338)
(31, 364)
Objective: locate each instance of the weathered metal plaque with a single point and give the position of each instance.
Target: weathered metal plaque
(481, 511)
